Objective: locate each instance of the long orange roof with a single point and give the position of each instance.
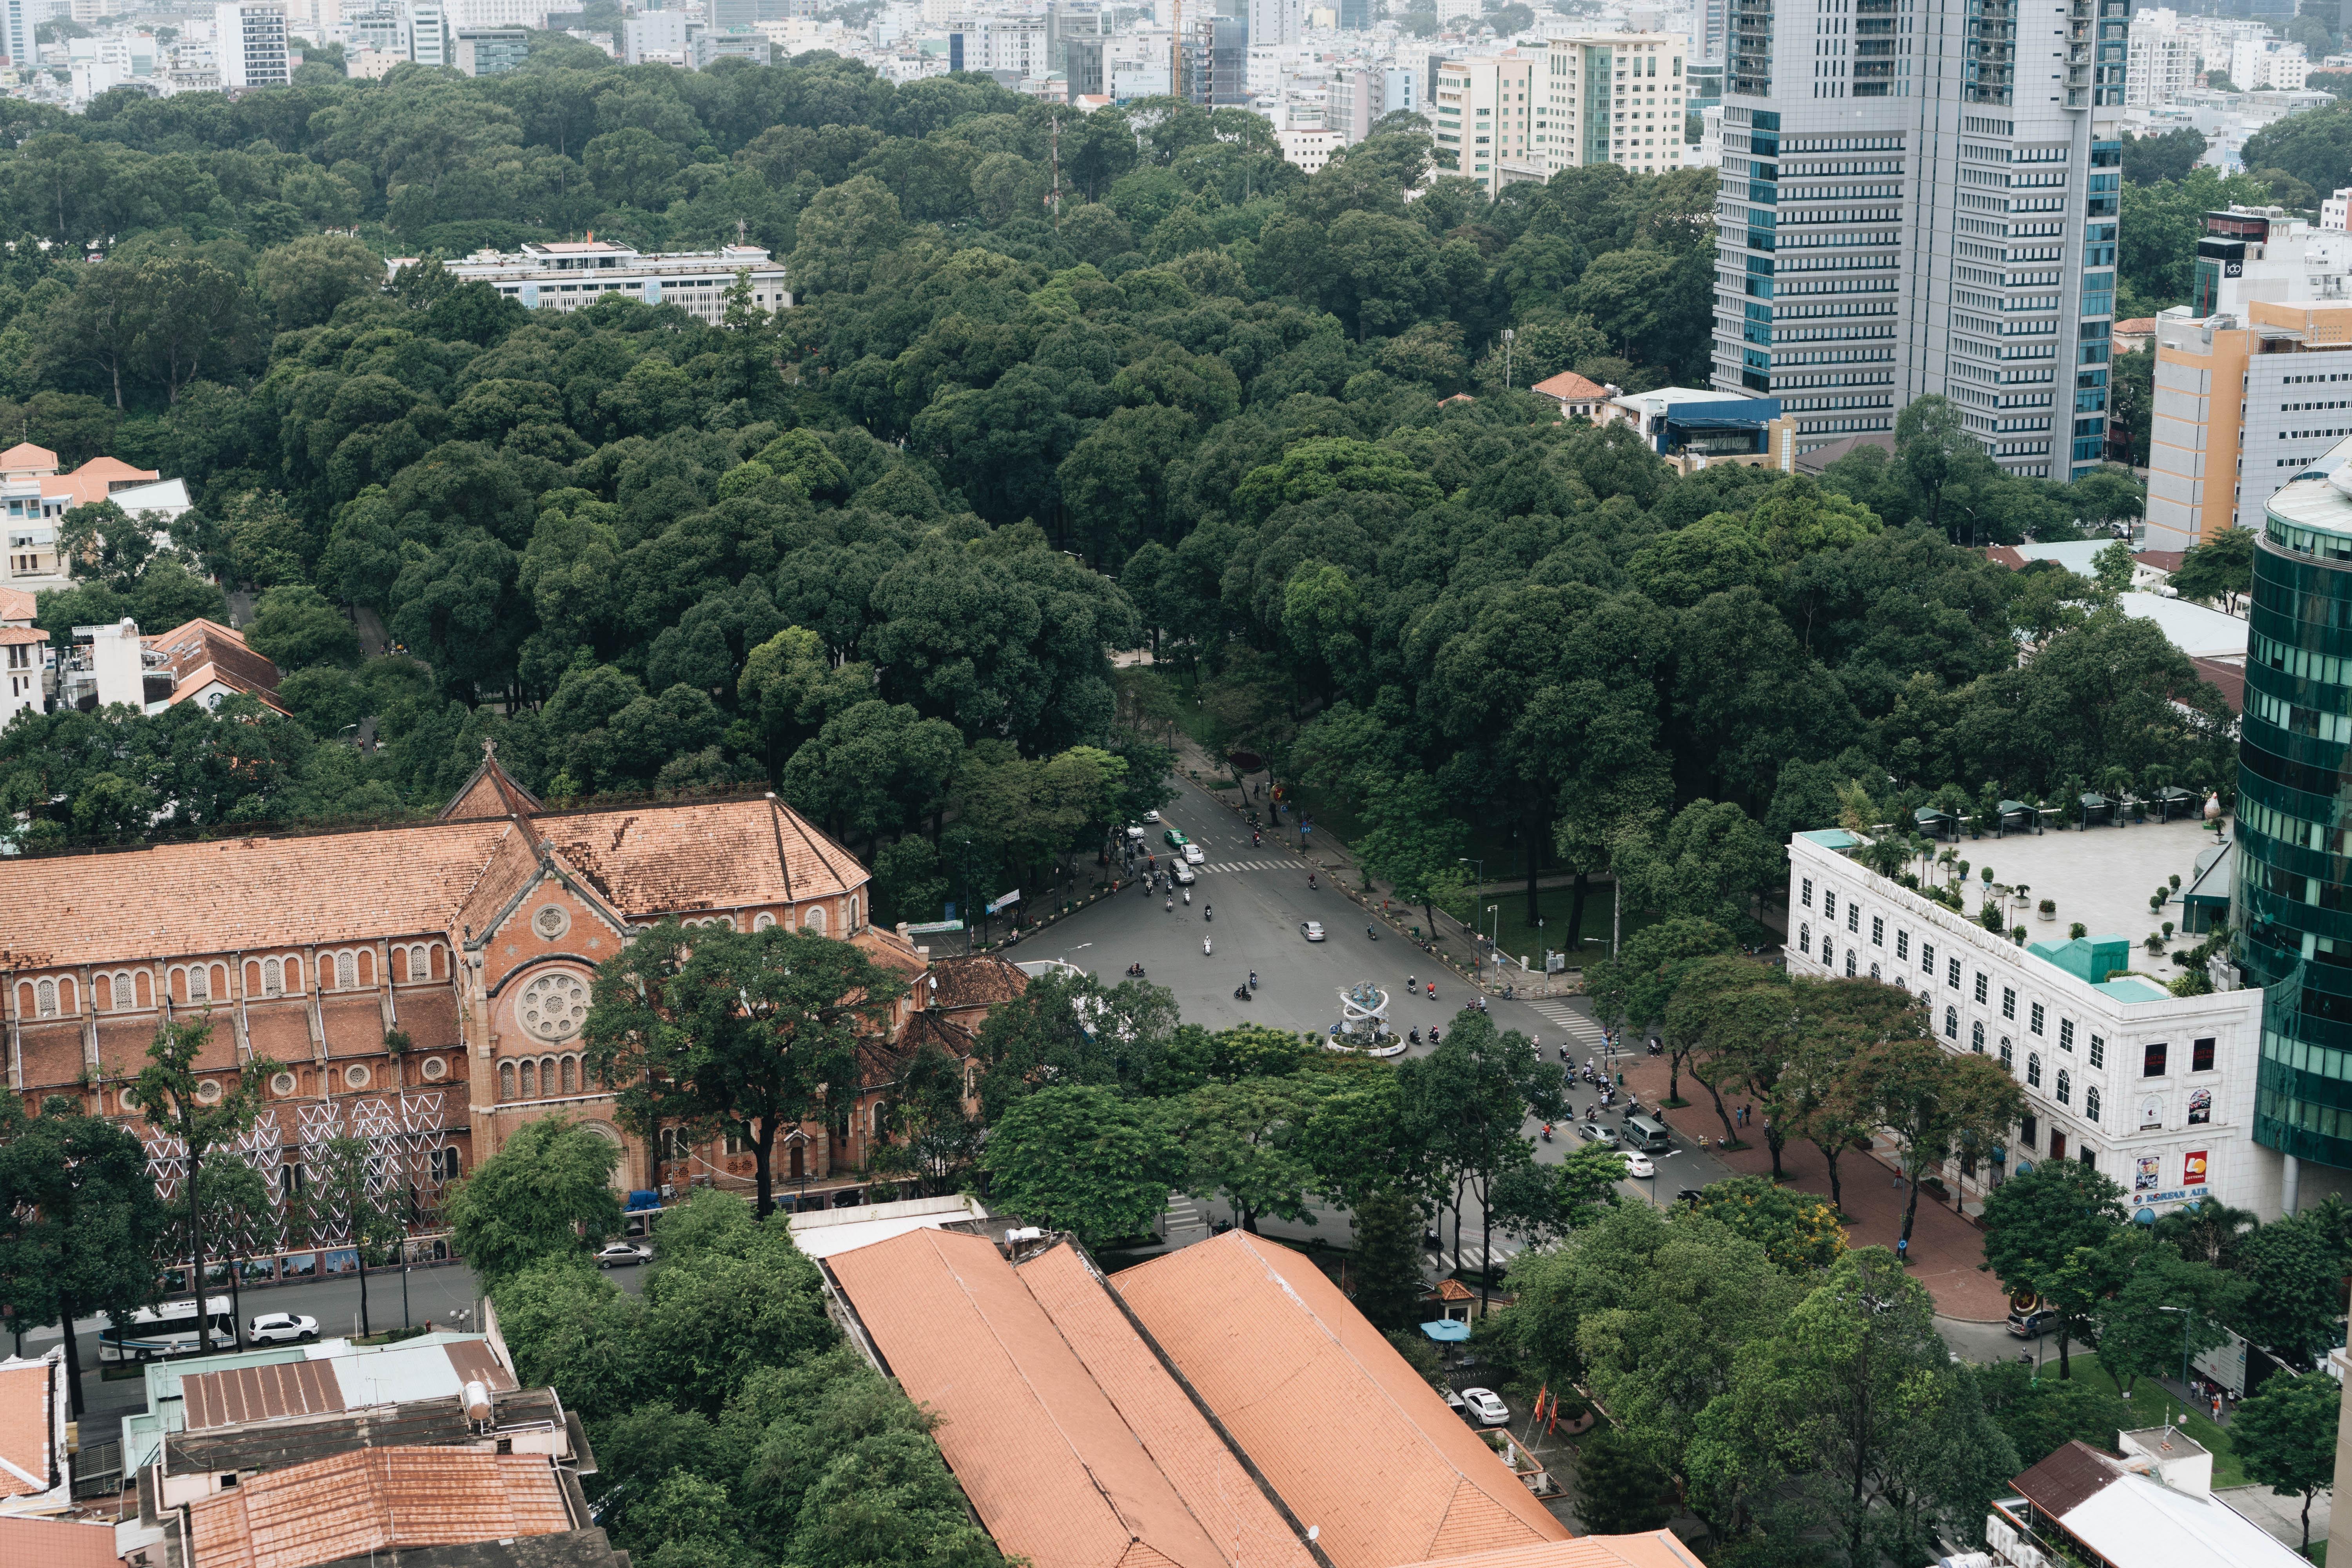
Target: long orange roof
(1072, 1442)
(1262, 1335)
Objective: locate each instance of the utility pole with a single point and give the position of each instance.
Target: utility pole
(1176, 54)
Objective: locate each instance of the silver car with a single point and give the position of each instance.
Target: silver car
(1486, 1406)
(281, 1328)
(1311, 930)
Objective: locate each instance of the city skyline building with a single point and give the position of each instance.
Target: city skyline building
(1611, 98)
(1919, 198)
(249, 44)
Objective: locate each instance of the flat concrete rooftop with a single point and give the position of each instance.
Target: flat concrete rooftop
(2101, 877)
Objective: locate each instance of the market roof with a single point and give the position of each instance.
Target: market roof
(1284, 1361)
(821, 1233)
(1075, 1446)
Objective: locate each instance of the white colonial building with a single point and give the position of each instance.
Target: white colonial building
(573, 274)
(2154, 1090)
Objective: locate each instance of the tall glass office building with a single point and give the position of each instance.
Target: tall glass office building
(2293, 882)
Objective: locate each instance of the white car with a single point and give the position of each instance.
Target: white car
(1192, 856)
(1150, 817)
(1185, 875)
(1636, 1163)
(1311, 930)
(621, 1253)
(281, 1328)
(1486, 1406)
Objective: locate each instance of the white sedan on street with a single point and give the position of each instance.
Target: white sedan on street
(621, 1253)
(1636, 1163)
(1192, 856)
(1311, 930)
(1486, 1406)
(281, 1328)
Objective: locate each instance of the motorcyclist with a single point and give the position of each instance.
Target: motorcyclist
(1188, 897)
(1205, 948)
(1171, 906)
(1252, 979)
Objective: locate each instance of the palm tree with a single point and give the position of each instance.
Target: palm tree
(2209, 1230)
(2114, 782)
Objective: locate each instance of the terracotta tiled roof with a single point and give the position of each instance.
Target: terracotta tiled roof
(1450, 1290)
(1658, 1548)
(25, 1430)
(237, 894)
(2005, 555)
(374, 1500)
(715, 855)
(23, 457)
(198, 643)
(513, 862)
(2160, 560)
(245, 894)
(57, 1544)
(983, 980)
(1240, 1318)
(1242, 1515)
(2059, 1483)
(2228, 675)
(15, 604)
(100, 476)
(9, 634)
(1569, 387)
(881, 1060)
(1052, 1458)
(194, 683)
(2138, 327)
(491, 793)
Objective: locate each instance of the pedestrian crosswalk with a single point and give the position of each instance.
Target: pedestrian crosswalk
(1578, 1027)
(1185, 1214)
(1249, 866)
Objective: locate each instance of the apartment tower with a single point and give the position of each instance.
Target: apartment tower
(1920, 197)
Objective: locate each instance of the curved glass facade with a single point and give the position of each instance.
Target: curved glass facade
(2292, 904)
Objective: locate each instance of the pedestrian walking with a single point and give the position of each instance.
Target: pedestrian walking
(2216, 1407)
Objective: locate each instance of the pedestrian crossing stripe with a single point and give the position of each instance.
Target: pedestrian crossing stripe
(1580, 1027)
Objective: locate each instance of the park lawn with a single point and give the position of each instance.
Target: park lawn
(2152, 1407)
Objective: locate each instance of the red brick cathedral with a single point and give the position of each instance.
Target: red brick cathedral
(471, 939)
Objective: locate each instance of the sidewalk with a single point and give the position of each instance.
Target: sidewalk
(1945, 1248)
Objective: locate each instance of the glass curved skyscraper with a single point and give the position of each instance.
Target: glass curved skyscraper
(2294, 888)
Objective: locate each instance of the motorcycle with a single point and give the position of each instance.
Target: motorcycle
(1547, 1131)
(1209, 913)
(1188, 897)
(1371, 932)
(1254, 840)
(1506, 993)
(1241, 993)
(1433, 990)
(1311, 882)
(1252, 979)
(1414, 1038)
(1205, 949)
(1136, 970)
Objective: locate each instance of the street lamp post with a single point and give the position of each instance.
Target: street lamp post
(1480, 862)
(2188, 1318)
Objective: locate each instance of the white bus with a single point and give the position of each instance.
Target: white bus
(167, 1329)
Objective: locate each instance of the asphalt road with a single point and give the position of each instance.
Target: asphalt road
(440, 1293)
(1259, 896)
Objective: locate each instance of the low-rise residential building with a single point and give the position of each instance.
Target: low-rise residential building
(572, 274)
(2140, 1508)
(1309, 149)
(1578, 397)
(23, 657)
(2154, 1090)
(35, 497)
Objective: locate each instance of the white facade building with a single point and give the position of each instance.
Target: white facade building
(1280, 23)
(2161, 62)
(1919, 202)
(249, 44)
(2156, 1090)
(1483, 113)
(1309, 150)
(656, 37)
(2268, 64)
(1611, 98)
(570, 275)
(428, 32)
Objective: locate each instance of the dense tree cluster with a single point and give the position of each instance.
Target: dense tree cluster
(734, 1424)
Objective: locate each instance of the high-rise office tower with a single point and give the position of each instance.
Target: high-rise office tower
(249, 41)
(1920, 196)
(1277, 22)
(428, 32)
(1083, 67)
(16, 26)
(1610, 98)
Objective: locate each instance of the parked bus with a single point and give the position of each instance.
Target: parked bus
(166, 1329)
